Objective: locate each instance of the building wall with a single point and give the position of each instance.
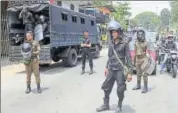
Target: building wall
(66, 4)
(105, 10)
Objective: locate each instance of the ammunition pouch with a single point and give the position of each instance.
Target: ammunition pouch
(140, 56)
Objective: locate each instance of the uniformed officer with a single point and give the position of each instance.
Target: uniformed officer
(27, 18)
(114, 69)
(140, 57)
(32, 63)
(86, 52)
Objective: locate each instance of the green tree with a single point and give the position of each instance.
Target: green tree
(165, 18)
(133, 23)
(148, 20)
(174, 14)
(100, 3)
(121, 13)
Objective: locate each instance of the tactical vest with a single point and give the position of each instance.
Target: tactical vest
(34, 48)
(140, 48)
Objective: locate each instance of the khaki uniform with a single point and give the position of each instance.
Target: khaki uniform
(140, 58)
(33, 66)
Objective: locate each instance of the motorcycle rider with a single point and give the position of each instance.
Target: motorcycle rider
(114, 70)
(169, 45)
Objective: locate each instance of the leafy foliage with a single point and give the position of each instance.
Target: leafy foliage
(122, 11)
(100, 2)
(165, 17)
(148, 20)
(174, 14)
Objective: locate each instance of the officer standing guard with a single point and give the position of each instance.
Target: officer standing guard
(140, 58)
(86, 52)
(119, 55)
(30, 53)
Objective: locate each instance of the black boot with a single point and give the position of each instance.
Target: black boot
(145, 89)
(83, 71)
(39, 88)
(104, 107)
(119, 109)
(138, 86)
(91, 71)
(28, 90)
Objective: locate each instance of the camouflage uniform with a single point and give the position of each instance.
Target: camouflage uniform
(141, 57)
(33, 66)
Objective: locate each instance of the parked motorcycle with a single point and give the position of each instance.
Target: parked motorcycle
(171, 63)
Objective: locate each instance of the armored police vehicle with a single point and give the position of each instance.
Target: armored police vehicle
(59, 33)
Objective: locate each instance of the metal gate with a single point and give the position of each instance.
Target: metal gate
(5, 43)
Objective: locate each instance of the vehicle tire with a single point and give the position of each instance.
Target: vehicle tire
(55, 58)
(97, 51)
(44, 65)
(174, 71)
(168, 69)
(159, 60)
(155, 70)
(71, 60)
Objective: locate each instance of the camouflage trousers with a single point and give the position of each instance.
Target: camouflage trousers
(32, 67)
(140, 74)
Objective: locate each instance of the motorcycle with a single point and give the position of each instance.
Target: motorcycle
(171, 63)
(161, 55)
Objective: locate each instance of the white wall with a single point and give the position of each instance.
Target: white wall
(66, 4)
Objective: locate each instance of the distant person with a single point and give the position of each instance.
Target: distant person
(27, 18)
(169, 45)
(86, 52)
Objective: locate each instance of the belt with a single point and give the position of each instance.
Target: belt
(34, 57)
(140, 56)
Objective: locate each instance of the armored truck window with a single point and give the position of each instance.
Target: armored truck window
(81, 10)
(92, 23)
(72, 7)
(64, 16)
(74, 19)
(82, 20)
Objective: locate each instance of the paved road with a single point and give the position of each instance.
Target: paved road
(66, 91)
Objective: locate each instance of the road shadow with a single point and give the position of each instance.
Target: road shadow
(34, 90)
(57, 67)
(125, 108)
(88, 71)
(151, 88)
